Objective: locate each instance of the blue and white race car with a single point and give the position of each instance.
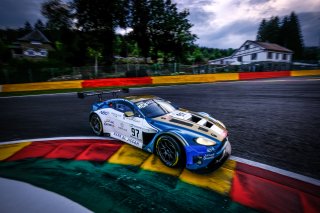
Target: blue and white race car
(181, 138)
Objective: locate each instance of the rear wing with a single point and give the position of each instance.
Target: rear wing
(99, 93)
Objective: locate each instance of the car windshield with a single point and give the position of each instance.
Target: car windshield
(155, 107)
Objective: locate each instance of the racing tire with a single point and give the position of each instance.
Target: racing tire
(169, 151)
(96, 124)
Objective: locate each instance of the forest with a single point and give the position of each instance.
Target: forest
(126, 31)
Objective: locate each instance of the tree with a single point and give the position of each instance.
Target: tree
(140, 21)
(294, 37)
(269, 30)
(287, 34)
(27, 27)
(96, 54)
(159, 26)
(39, 25)
(100, 19)
(58, 14)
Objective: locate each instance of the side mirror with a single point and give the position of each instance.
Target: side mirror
(129, 114)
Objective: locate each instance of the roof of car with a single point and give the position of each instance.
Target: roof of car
(137, 98)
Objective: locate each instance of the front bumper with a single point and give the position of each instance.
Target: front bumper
(214, 163)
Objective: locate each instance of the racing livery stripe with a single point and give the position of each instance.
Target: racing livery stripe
(252, 186)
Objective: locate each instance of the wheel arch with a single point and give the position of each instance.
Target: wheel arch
(182, 142)
(95, 113)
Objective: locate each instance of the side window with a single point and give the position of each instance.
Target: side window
(123, 107)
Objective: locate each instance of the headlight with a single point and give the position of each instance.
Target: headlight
(204, 141)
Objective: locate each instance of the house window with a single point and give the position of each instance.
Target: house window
(221, 61)
(277, 56)
(29, 52)
(240, 58)
(269, 56)
(246, 47)
(43, 53)
(254, 56)
(284, 57)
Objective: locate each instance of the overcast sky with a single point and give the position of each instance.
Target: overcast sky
(217, 23)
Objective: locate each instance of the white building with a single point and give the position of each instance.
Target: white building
(254, 51)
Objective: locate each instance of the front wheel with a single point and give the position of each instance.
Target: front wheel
(96, 124)
(169, 151)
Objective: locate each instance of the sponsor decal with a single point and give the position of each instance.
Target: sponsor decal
(181, 114)
(122, 127)
(210, 149)
(144, 104)
(109, 122)
(104, 113)
(133, 142)
(115, 115)
(128, 140)
(208, 156)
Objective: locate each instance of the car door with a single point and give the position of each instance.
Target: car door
(128, 125)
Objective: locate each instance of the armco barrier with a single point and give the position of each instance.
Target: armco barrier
(41, 86)
(116, 82)
(257, 75)
(204, 78)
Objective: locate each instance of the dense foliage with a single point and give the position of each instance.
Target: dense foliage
(287, 33)
(83, 32)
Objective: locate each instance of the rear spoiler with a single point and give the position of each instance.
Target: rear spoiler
(99, 93)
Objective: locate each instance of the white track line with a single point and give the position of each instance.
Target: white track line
(237, 159)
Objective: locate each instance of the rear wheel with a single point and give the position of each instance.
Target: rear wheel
(96, 124)
(169, 151)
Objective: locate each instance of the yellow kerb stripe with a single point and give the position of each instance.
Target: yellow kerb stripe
(129, 155)
(154, 164)
(8, 150)
(219, 180)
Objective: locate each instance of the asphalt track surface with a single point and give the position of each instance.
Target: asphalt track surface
(271, 121)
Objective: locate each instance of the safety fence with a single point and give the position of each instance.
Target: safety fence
(33, 72)
(154, 80)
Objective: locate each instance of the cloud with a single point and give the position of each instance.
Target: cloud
(229, 23)
(14, 14)
(310, 27)
(229, 36)
(217, 23)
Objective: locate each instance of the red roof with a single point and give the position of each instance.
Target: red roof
(271, 46)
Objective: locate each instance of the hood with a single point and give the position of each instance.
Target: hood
(195, 122)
